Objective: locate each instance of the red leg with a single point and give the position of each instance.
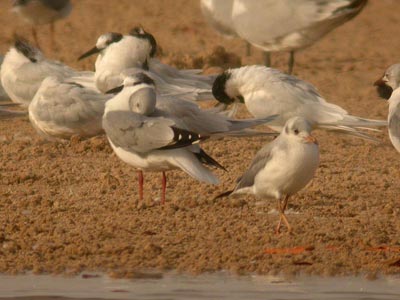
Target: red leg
(164, 188)
(141, 180)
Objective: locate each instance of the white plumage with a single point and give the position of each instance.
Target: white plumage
(266, 91)
(118, 52)
(62, 108)
(25, 67)
(283, 167)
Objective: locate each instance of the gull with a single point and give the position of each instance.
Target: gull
(282, 168)
(387, 87)
(40, 12)
(117, 52)
(266, 91)
(159, 134)
(25, 67)
(288, 25)
(62, 108)
(219, 15)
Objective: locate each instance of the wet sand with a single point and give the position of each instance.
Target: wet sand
(67, 208)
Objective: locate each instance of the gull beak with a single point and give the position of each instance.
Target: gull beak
(115, 90)
(311, 140)
(92, 51)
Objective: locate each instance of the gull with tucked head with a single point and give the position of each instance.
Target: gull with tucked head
(157, 134)
(266, 91)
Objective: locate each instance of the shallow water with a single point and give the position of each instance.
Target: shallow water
(210, 286)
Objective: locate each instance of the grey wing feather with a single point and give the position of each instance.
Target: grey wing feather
(68, 103)
(189, 116)
(136, 132)
(258, 163)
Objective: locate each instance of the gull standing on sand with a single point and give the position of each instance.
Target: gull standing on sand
(118, 52)
(388, 89)
(158, 135)
(40, 12)
(25, 67)
(266, 91)
(282, 168)
(290, 25)
(62, 108)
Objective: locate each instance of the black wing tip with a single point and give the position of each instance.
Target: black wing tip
(183, 138)
(208, 160)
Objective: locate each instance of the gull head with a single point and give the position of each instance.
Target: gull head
(299, 129)
(102, 43)
(142, 101)
(224, 91)
(27, 51)
(388, 82)
(140, 33)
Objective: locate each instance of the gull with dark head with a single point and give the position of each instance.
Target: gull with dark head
(40, 12)
(25, 67)
(117, 53)
(282, 168)
(387, 87)
(266, 91)
(157, 134)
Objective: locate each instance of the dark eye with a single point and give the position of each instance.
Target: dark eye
(296, 131)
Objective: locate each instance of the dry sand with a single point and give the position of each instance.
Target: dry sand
(66, 208)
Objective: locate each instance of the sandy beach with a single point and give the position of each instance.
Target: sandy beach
(73, 207)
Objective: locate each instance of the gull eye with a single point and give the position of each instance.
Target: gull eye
(296, 131)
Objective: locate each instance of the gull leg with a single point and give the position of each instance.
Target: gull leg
(267, 59)
(141, 180)
(291, 62)
(282, 216)
(164, 188)
(248, 49)
(35, 38)
(278, 227)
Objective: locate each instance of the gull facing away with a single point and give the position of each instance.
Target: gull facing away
(117, 52)
(266, 91)
(219, 15)
(157, 135)
(387, 87)
(62, 109)
(25, 67)
(290, 25)
(40, 12)
(282, 168)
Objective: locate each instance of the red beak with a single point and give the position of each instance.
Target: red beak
(311, 140)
